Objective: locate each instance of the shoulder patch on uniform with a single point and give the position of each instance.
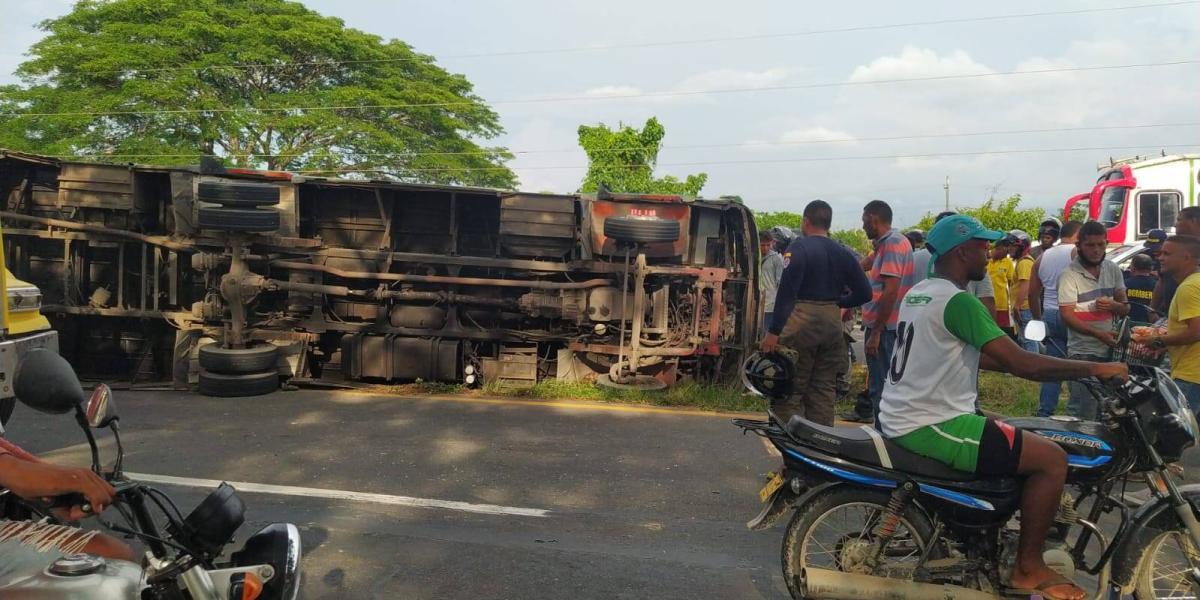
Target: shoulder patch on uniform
(787, 259)
(917, 299)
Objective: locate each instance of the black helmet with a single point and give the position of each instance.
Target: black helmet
(768, 375)
(782, 237)
(1051, 227)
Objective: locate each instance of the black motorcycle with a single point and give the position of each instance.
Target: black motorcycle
(185, 559)
(873, 520)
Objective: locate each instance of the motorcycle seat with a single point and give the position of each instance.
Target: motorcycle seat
(867, 446)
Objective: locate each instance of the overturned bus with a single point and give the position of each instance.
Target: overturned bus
(233, 279)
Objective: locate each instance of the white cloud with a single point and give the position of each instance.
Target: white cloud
(914, 62)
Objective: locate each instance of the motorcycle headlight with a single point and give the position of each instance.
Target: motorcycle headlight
(1177, 402)
(278, 545)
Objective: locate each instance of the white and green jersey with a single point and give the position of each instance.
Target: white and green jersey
(934, 375)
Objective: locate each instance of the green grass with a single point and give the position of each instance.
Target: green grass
(999, 393)
(718, 398)
(689, 394)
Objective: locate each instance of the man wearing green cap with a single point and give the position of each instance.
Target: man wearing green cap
(928, 406)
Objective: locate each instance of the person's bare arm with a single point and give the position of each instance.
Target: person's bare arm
(1156, 298)
(990, 304)
(1020, 295)
(1004, 355)
(1035, 290)
(37, 480)
(887, 302)
(1190, 335)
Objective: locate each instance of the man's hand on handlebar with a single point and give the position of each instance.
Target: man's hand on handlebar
(98, 493)
(1110, 372)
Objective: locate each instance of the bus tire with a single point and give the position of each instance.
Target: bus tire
(237, 386)
(248, 195)
(234, 361)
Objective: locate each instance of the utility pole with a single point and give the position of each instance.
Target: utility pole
(947, 188)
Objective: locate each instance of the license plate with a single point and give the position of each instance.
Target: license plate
(773, 484)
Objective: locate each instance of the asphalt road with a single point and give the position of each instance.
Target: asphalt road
(533, 500)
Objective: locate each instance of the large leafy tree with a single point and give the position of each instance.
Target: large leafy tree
(253, 81)
(623, 160)
(1001, 215)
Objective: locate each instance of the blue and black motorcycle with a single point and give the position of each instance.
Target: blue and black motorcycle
(873, 520)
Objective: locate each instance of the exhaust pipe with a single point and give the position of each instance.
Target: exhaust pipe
(827, 584)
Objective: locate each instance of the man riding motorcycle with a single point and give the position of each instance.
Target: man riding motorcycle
(29, 546)
(929, 402)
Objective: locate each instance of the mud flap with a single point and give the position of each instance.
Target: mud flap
(772, 510)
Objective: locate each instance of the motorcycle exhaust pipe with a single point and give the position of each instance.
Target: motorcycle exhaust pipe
(827, 584)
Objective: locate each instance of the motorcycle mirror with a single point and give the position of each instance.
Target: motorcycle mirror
(1035, 331)
(46, 382)
(101, 410)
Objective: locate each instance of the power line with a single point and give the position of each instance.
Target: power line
(889, 138)
(667, 43)
(665, 94)
(764, 161)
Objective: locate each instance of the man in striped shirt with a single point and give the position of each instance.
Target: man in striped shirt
(890, 270)
(1091, 295)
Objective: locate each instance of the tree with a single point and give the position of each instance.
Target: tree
(854, 238)
(1002, 215)
(254, 82)
(623, 161)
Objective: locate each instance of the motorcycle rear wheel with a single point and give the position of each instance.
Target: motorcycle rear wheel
(834, 528)
(1165, 565)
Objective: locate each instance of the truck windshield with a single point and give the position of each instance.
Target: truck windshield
(1112, 205)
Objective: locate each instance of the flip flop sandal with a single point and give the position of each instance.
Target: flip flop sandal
(1054, 580)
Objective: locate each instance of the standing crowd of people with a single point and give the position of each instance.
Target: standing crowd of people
(937, 307)
(812, 286)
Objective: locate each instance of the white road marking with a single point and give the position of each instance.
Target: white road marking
(288, 490)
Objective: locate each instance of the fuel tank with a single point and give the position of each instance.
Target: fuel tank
(1093, 451)
(113, 580)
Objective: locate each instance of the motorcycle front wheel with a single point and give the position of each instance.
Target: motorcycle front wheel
(1166, 565)
(835, 530)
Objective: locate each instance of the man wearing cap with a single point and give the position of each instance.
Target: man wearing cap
(928, 404)
(981, 289)
(1139, 287)
(1091, 296)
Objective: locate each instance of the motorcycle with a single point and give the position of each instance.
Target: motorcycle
(874, 521)
(182, 561)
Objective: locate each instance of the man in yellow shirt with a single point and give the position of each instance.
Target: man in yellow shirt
(1003, 274)
(1179, 259)
(1020, 288)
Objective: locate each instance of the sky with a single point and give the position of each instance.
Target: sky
(823, 116)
